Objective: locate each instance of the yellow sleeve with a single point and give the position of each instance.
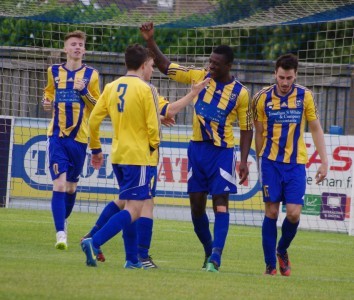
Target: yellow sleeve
(49, 90)
(163, 106)
(186, 75)
(311, 111)
(244, 110)
(152, 118)
(92, 93)
(97, 115)
(258, 107)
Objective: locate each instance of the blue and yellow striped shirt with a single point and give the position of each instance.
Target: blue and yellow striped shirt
(284, 119)
(72, 108)
(217, 107)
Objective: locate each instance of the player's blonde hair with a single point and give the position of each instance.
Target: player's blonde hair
(77, 34)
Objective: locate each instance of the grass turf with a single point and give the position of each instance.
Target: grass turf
(31, 268)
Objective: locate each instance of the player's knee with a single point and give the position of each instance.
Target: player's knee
(220, 203)
(272, 210)
(197, 210)
(198, 204)
(220, 209)
(70, 190)
(293, 217)
(70, 187)
(293, 212)
(120, 203)
(59, 186)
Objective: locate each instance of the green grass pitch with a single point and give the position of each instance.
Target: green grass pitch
(31, 268)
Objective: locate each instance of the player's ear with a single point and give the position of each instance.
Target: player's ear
(65, 50)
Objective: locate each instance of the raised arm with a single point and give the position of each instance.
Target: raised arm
(147, 32)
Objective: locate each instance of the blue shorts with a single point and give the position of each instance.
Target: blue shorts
(282, 182)
(134, 181)
(211, 169)
(66, 155)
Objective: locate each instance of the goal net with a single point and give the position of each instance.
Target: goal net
(319, 32)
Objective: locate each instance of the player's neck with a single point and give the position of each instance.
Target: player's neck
(73, 65)
(137, 73)
(224, 79)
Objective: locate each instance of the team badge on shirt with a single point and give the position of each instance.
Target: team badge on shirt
(233, 97)
(299, 102)
(270, 105)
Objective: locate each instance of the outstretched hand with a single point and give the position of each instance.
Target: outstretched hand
(147, 30)
(197, 88)
(168, 122)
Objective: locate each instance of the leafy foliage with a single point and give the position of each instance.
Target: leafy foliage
(324, 42)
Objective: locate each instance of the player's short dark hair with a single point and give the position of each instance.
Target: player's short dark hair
(136, 55)
(226, 51)
(287, 62)
(77, 33)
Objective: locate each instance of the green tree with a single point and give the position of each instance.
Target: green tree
(39, 23)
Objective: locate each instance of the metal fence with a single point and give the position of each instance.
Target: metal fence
(23, 77)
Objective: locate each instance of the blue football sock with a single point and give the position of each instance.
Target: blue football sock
(108, 211)
(114, 225)
(201, 228)
(58, 210)
(144, 230)
(131, 243)
(288, 231)
(269, 240)
(221, 228)
(69, 204)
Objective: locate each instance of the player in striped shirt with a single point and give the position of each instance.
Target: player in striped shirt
(211, 152)
(72, 90)
(280, 115)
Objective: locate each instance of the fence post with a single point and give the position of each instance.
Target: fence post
(6, 138)
(351, 211)
(350, 115)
